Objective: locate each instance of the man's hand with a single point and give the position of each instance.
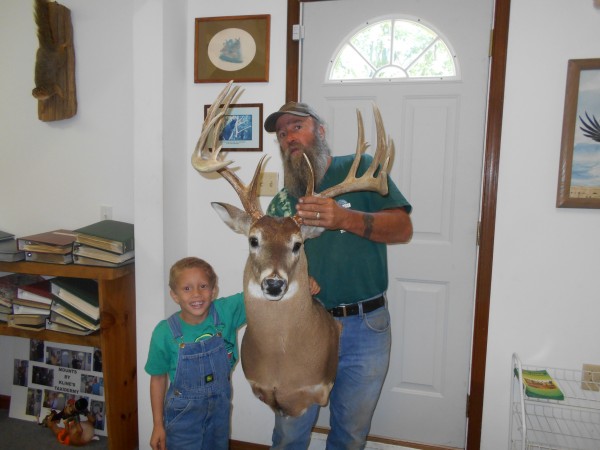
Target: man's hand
(388, 226)
(321, 212)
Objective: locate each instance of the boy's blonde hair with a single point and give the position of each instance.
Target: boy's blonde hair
(191, 262)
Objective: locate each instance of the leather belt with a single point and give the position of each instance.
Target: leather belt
(353, 309)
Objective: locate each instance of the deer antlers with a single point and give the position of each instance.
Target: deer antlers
(207, 158)
(368, 181)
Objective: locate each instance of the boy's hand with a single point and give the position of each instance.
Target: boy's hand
(314, 286)
(158, 440)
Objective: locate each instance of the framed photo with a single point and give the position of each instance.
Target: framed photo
(232, 48)
(243, 127)
(579, 173)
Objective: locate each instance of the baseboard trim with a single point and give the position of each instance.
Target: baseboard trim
(393, 442)
(4, 401)
(241, 445)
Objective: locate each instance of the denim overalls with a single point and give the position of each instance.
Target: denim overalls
(198, 402)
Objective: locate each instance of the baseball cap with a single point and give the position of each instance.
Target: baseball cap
(294, 108)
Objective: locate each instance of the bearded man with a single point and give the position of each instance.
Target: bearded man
(349, 261)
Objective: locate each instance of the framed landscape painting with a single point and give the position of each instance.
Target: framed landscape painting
(579, 172)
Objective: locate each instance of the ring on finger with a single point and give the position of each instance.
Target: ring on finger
(318, 215)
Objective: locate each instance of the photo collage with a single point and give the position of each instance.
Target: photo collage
(47, 376)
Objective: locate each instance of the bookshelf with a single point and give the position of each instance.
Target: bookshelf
(116, 338)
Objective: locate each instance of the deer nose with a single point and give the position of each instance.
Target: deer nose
(274, 286)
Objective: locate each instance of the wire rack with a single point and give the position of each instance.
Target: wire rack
(569, 424)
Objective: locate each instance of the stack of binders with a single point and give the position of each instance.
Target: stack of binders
(75, 308)
(31, 306)
(55, 247)
(8, 248)
(108, 243)
(9, 285)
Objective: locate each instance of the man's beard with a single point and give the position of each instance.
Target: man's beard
(295, 171)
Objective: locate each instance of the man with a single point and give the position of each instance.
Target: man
(349, 261)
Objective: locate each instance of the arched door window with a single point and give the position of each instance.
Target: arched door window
(394, 50)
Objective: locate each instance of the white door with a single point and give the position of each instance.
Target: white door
(438, 129)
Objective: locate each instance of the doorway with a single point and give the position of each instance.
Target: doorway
(488, 197)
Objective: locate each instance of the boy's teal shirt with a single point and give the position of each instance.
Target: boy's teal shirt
(164, 350)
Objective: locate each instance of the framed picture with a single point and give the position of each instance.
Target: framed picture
(579, 173)
(232, 48)
(243, 127)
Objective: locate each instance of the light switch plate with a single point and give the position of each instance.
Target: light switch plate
(590, 377)
(268, 183)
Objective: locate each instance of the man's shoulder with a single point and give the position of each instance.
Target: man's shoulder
(343, 162)
(282, 205)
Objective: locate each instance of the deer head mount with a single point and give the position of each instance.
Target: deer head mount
(290, 346)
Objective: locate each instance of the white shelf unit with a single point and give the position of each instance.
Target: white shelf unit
(569, 424)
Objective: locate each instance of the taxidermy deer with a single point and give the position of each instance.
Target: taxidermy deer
(289, 351)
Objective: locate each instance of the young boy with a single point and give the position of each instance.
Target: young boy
(196, 348)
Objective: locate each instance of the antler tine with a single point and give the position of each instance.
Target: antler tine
(380, 164)
(248, 194)
(385, 146)
(310, 185)
(206, 155)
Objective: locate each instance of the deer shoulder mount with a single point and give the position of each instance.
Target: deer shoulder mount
(289, 351)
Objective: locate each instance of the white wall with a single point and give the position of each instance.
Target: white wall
(58, 174)
(138, 121)
(172, 199)
(61, 172)
(208, 237)
(546, 284)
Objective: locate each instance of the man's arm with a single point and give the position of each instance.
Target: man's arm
(388, 226)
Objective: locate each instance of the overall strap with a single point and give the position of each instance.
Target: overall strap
(215, 315)
(175, 326)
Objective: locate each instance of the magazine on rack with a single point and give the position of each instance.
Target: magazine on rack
(539, 384)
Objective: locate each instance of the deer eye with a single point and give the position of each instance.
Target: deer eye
(253, 241)
(296, 247)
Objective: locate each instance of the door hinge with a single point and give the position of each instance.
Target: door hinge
(297, 32)
(478, 232)
(467, 410)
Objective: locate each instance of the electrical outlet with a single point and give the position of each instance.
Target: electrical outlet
(105, 212)
(590, 377)
(268, 183)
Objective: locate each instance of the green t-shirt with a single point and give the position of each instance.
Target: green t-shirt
(164, 350)
(349, 268)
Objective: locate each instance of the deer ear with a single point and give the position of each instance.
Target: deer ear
(236, 219)
(310, 232)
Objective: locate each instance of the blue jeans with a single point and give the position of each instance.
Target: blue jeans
(365, 346)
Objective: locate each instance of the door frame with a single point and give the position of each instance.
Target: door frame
(489, 193)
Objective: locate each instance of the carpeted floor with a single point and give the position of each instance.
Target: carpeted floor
(17, 434)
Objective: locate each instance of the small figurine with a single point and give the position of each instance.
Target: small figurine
(75, 431)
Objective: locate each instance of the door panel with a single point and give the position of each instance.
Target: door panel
(438, 129)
